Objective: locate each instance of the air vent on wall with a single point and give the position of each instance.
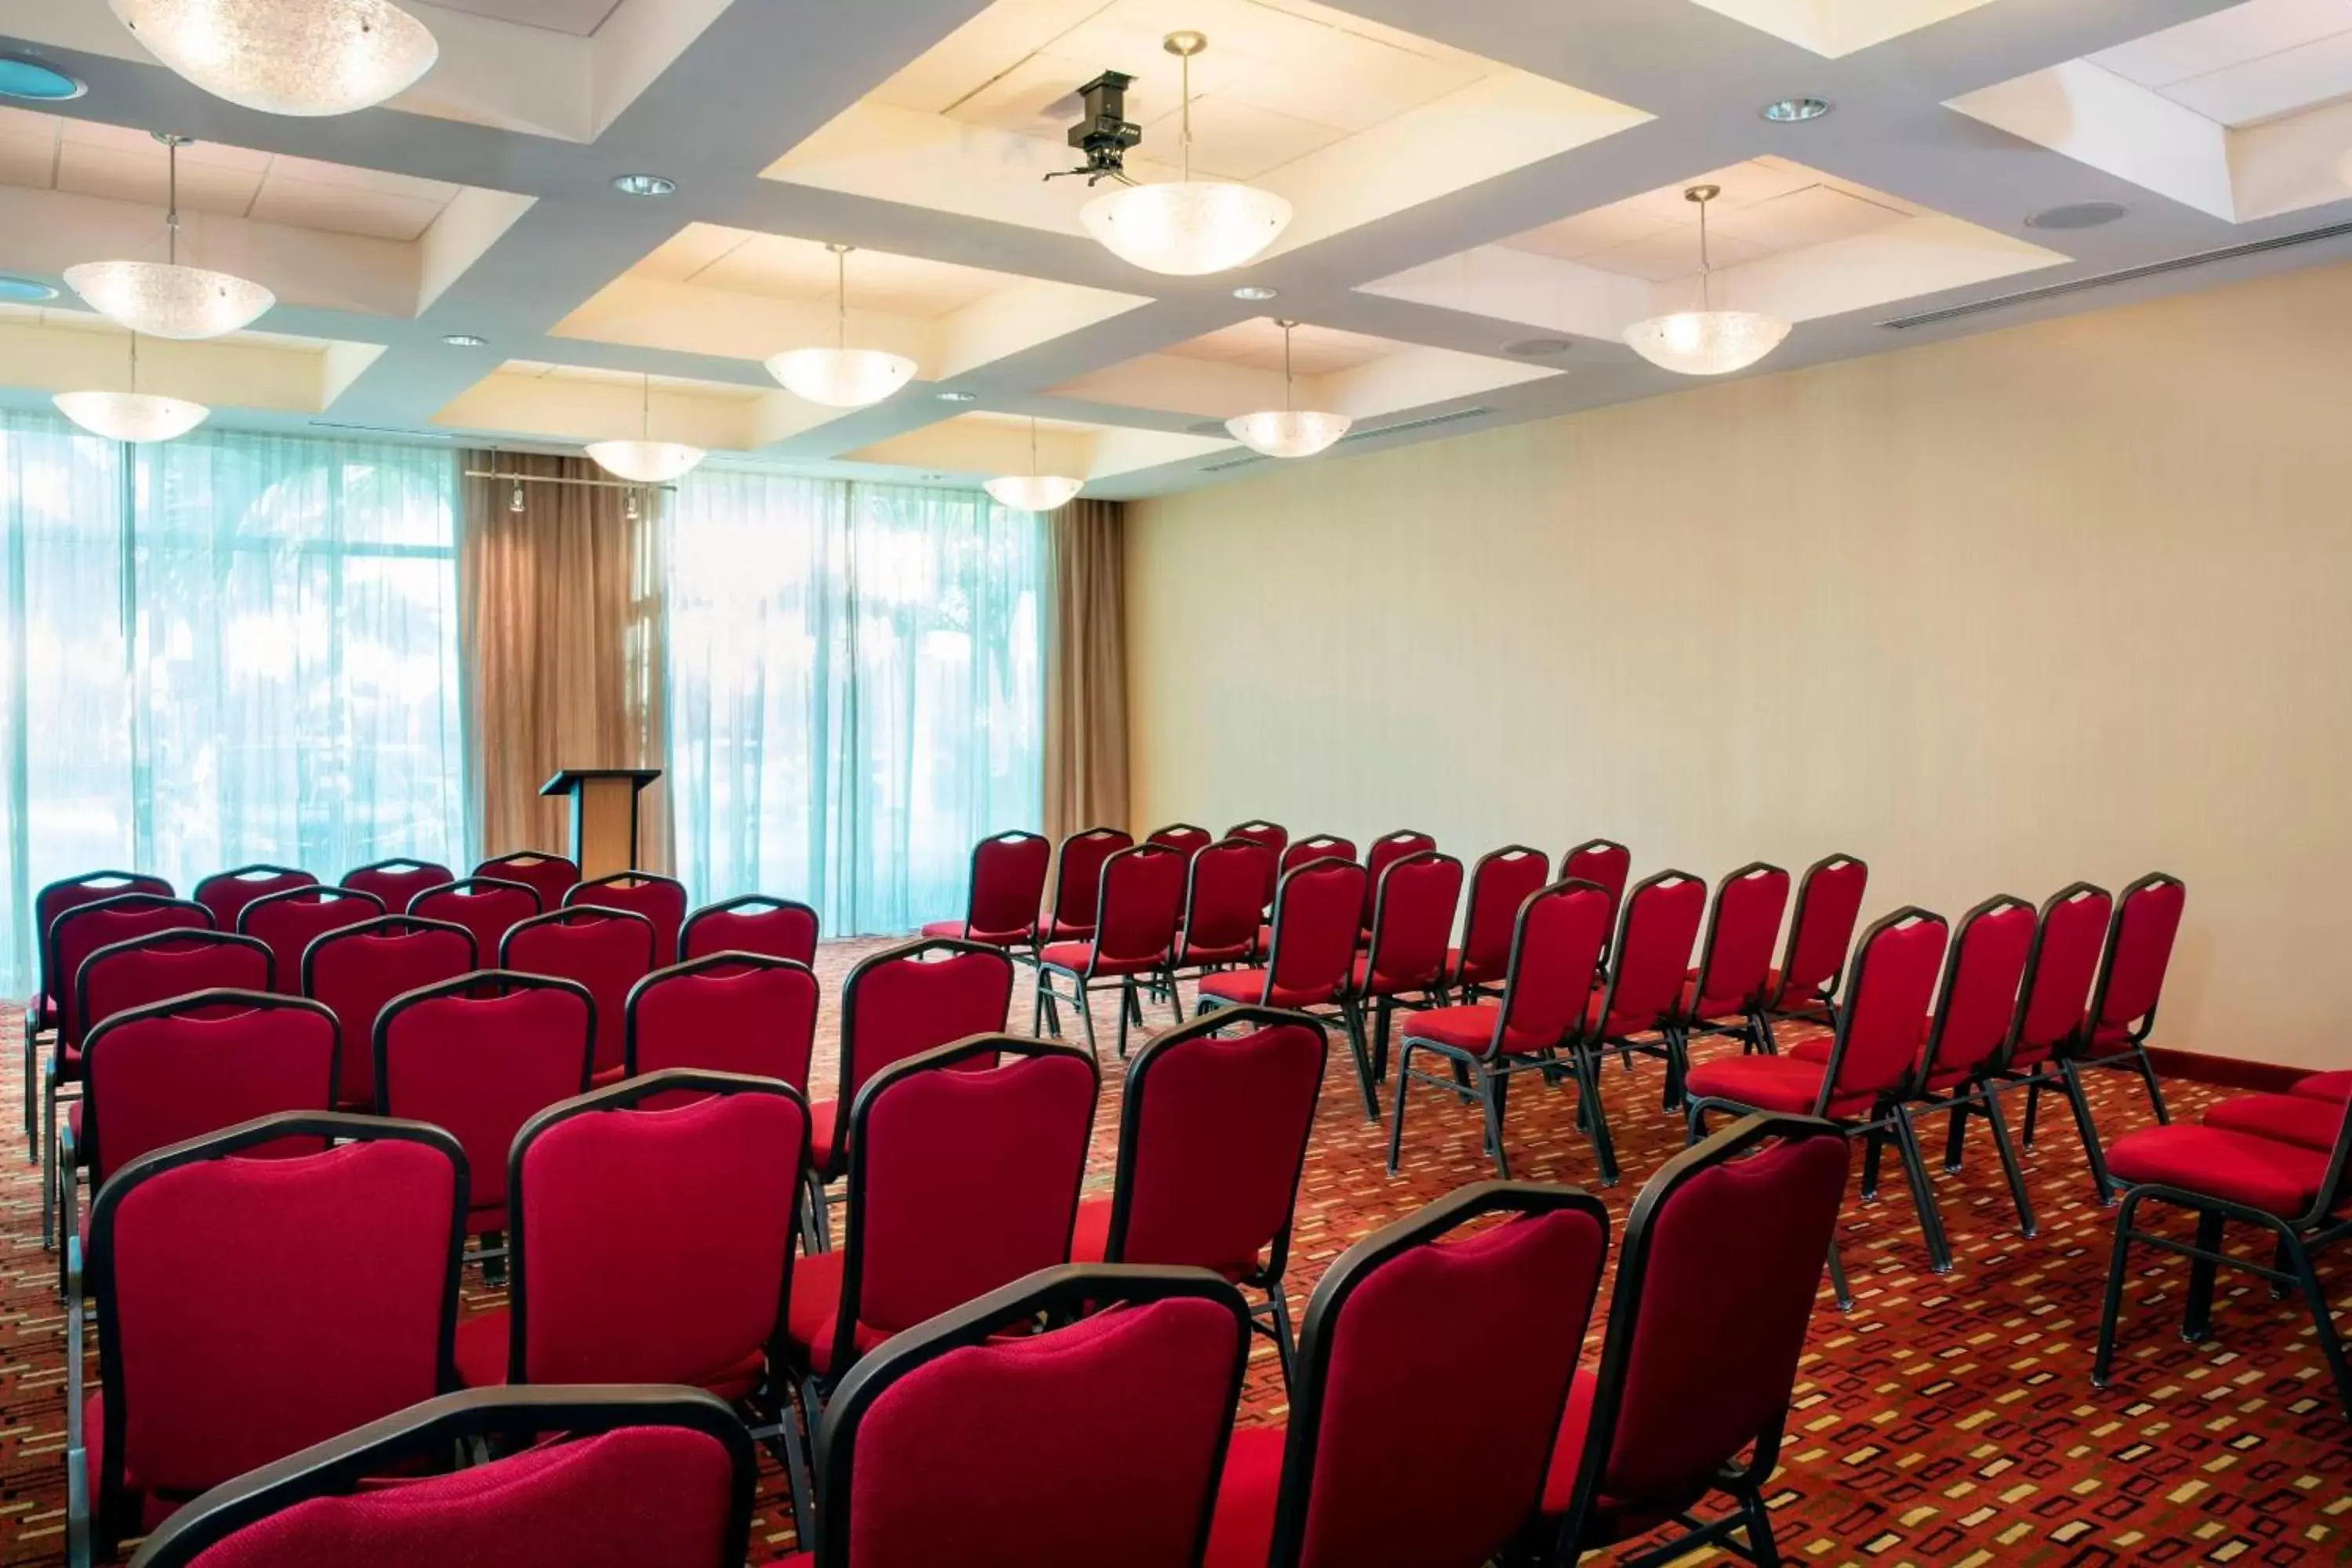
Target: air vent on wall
(2128, 275)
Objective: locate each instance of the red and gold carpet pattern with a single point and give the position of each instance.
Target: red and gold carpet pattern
(1949, 1420)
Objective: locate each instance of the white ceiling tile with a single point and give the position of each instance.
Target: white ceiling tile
(318, 174)
(1817, 215)
(1237, 140)
(2284, 83)
(27, 160)
(130, 175)
(580, 18)
(2225, 38)
(1667, 257)
(342, 209)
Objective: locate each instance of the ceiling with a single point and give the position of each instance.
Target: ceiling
(1470, 182)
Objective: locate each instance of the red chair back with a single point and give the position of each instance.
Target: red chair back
(1603, 862)
(1555, 943)
(1384, 852)
(1828, 907)
(1008, 885)
(1314, 952)
(661, 900)
(732, 1011)
(1077, 877)
(964, 1167)
(1877, 1043)
(226, 893)
(1275, 838)
(645, 1476)
(1096, 1442)
(716, 1177)
(1224, 899)
(1736, 961)
(486, 906)
(2139, 950)
(288, 923)
(1320, 847)
(1213, 1135)
(1982, 976)
(479, 1056)
(163, 964)
(397, 880)
(774, 928)
(1372, 1382)
(1722, 1258)
(1413, 921)
(1499, 884)
(198, 1064)
(605, 951)
(549, 875)
(1181, 836)
(353, 1250)
(70, 893)
(915, 997)
(2059, 971)
(1655, 933)
(356, 971)
(1139, 904)
(83, 929)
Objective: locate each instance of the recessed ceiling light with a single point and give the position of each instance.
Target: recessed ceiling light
(21, 78)
(2077, 214)
(465, 341)
(1794, 110)
(643, 184)
(959, 397)
(1256, 291)
(1536, 348)
(25, 290)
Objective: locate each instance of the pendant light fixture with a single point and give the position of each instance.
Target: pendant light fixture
(133, 416)
(841, 376)
(164, 299)
(286, 56)
(645, 460)
(1188, 226)
(1289, 432)
(1032, 491)
(1705, 341)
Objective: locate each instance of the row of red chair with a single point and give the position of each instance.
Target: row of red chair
(1108, 1435)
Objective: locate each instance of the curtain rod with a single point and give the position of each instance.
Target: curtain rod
(564, 479)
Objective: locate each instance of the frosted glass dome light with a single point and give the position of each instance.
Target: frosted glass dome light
(286, 56)
(130, 415)
(1288, 432)
(644, 462)
(1033, 492)
(841, 376)
(165, 299)
(1707, 342)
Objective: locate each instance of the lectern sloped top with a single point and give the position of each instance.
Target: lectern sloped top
(565, 778)
(603, 815)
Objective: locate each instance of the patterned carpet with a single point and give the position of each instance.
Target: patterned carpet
(1948, 1420)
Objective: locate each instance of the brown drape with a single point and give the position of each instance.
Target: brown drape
(560, 625)
(1086, 669)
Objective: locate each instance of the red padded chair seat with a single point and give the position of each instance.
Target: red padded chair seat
(1785, 1084)
(1466, 1028)
(1189, 954)
(1386, 985)
(2237, 1167)
(817, 1301)
(824, 1116)
(1091, 1239)
(1690, 1000)
(1476, 974)
(955, 929)
(1242, 1532)
(1246, 985)
(1071, 958)
(609, 1076)
(2335, 1086)
(1059, 930)
(482, 1345)
(2282, 1118)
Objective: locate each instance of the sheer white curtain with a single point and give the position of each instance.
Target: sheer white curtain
(222, 650)
(855, 690)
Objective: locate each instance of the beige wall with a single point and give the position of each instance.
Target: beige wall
(2069, 600)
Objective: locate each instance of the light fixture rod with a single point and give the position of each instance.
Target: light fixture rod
(840, 295)
(1184, 46)
(502, 475)
(172, 199)
(1702, 194)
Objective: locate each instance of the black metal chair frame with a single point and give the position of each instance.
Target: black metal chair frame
(1046, 1004)
(1345, 1010)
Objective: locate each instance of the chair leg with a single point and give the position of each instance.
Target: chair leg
(1676, 1045)
(1083, 1005)
(2100, 1181)
(1956, 1135)
(1762, 1549)
(2027, 1226)
(1285, 1344)
(1873, 1151)
(2314, 1296)
(1838, 1281)
(32, 1089)
(1127, 1010)
(794, 1438)
(49, 1159)
(2032, 1107)
(1351, 1019)
(1383, 1014)
(1134, 1004)
(1490, 1108)
(1594, 1116)
(2155, 1090)
(1037, 1005)
(1396, 1106)
(1923, 1194)
(2103, 1360)
(816, 1220)
(2197, 1311)
(1175, 996)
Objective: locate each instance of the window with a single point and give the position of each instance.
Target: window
(855, 690)
(218, 650)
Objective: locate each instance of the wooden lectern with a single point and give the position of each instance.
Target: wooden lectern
(603, 815)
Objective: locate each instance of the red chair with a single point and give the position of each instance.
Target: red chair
(964, 1168)
(1828, 907)
(732, 1011)
(1380, 1377)
(226, 893)
(2332, 1086)
(288, 923)
(1211, 1139)
(1310, 959)
(486, 906)
(357, 970)
(1715, 1283)
(1137, 906)
(716, 1176)
(2072, 932)
(1553, 949)
(1319, 846)
(549, 875)
(1636, 1007)
(47, 1006)
(1499, 883)
(479, 1056)
(1008, 885)
(1382, 852)
(1181, 836)
(1727, 993)
(973, 1440)
(1223, 901)
(2296, 1194)
(2131, 981)
(397, 880)
(661, 900)
(354, 1252)
(774, 928)
(646, 1478)
(1077, 880)
(1607, 865)
(605, 951)
(1276, 839)
(1872, 1061)
(1975, 1018)
(1408, 952)
(900, 1002)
